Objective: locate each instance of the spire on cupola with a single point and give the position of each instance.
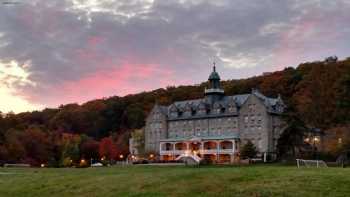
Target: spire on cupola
(214, 84)
(214, 79)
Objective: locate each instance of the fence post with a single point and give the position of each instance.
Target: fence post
(298, 163)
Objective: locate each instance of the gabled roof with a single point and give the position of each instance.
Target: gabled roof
(163, 109)
(270, 103)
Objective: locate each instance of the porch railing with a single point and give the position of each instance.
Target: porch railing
(205, 151)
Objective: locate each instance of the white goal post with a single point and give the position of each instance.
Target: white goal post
(311, 163)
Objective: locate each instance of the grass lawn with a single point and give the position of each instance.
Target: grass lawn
(260, 180)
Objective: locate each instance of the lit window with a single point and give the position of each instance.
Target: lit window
(340, 140)
(316, 139)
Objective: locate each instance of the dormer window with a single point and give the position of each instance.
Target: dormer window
(232, 109)
(173, 111)
(201, 109)
(279, 108)
(188, 110)
(217, 108)
(174, 114)
(208, 111)
(194, 112)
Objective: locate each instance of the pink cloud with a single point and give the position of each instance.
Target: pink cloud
(127, 79)
(310, 37)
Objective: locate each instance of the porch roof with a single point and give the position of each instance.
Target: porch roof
(202, 138)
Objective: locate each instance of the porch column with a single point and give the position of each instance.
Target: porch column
(233, 151)
(201, 149)
(217, 150)
(233, 146)
(160, 147)
(173, 149)
(160, 151)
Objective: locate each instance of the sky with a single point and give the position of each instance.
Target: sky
(56, 52)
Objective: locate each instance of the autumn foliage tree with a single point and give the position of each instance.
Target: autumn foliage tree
(36, 144)
(107, 148)
(90, 149)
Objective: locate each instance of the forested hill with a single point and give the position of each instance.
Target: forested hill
(318, 92)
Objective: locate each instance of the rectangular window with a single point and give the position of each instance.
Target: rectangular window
(246, 119)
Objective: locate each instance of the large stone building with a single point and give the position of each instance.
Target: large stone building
(215, 126)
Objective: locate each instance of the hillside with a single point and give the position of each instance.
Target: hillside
(317, 92)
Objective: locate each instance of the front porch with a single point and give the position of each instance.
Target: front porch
(211, 150)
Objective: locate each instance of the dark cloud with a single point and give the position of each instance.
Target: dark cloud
(71, 43)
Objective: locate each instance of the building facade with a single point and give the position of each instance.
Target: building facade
(215, 126)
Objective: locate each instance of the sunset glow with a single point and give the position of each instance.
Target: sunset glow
(12, 75)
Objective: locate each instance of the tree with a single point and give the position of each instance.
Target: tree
(138, 138)
(2, 129)
(248, 150)
(70, 147)
(343, 104)
(135, 117)
(36, 144)
(89, 149)
(14, 146)
(107, 148)
(3, 154)
(291, 139)
(338, 140)
(314, 96)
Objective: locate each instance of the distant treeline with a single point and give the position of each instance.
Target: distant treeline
(316, 92)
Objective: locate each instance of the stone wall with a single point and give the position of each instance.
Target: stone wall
(156, 129)
(203, 127)
(254, 123)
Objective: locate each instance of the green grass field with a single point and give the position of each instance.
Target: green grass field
(260, 180)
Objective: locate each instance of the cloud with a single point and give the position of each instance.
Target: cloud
(79, 50)
(13, 75)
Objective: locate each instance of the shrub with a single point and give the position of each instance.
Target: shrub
(67, 162)
(248, 150)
